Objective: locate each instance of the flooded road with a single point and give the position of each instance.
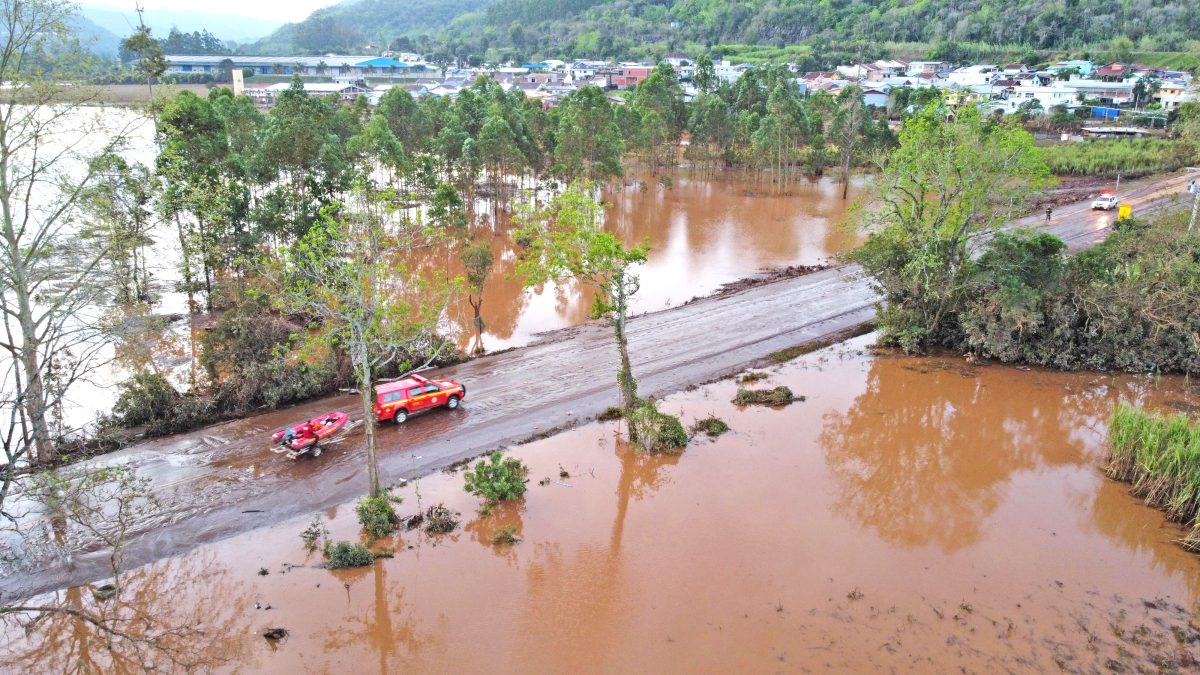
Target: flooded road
(910, 515)
(224, 480)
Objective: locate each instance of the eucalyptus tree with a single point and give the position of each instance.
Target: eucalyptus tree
(587, 140)
(564, 240)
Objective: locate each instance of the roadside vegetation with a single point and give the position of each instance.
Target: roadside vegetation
(1128, 304)
(496, 479)
(1159, 456)
(1127, 158)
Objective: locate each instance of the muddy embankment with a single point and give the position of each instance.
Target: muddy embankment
(911, 515)
(224, 480)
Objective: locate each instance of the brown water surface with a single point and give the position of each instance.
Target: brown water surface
(910, 515)
(703, 231)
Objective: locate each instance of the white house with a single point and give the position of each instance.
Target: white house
(969, 76)
(584, 69)
(1059, 93)
(728, 72)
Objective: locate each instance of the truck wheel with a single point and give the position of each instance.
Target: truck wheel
(401, 416)
(452, 403)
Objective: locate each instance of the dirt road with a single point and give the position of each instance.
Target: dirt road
(224, 479)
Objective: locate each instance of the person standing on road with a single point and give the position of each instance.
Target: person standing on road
(1049, 210)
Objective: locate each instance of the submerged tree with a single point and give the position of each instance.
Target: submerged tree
(345, 275)
(564, 240)
(948, 181)
(477, 259)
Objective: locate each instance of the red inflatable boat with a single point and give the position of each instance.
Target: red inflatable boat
(322, 426)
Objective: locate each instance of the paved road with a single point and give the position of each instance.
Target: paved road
(224, 479)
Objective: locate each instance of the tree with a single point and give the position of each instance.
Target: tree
(848, 129)
(477, 259)
(151, 62)
(345, 274)
(948, 181)
(657, 115)
(54, 290)
(706, 76)
(587, 139)
(564, 240)
(1120, 50)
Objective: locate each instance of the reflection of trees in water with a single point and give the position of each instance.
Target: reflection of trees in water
(172, 621)
(584, 585)
(923, 457)
(389, 629)
(482, 528)
(1143, 531)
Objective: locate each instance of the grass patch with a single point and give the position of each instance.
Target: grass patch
(778, 396)
(753, 376)
(1131, 157)
(611, 414)
(711, 426)
(505, 535)
(656, 431)
(346, 554)
(1159, 456)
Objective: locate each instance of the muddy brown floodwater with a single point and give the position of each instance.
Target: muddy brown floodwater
(912, 515)
(703, 231)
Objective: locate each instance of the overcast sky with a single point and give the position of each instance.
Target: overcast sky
(283, 10)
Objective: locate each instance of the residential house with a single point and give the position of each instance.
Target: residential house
(627, 75)
(969, 76)
(1060, 93)
(927, 68)
(1172, 93)
(685, 68)
(1084, 68)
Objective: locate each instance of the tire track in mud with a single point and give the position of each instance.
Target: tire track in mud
(224, 480)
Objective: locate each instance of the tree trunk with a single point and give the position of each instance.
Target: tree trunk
(625, 380)
(365, 393)
(186, 265)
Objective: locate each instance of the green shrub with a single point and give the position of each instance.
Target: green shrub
(145, 398)
(506, 535)
(654, 430)
(778, 396)
(611, 413)
(496, 479)
(712, 426)
(752, 376)
(347, 554)
(377, 516)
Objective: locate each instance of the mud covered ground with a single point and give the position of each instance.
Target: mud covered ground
(911, 515)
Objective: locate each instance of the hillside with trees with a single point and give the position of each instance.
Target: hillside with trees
(353, 26)
(521, 29)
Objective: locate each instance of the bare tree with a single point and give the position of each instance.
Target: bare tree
(90, 507)
(51, 293)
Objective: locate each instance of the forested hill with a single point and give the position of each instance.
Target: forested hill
(616, 26)
(352, 25)
(521, 29)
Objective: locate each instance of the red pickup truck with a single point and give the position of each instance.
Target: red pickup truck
(397, 400)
